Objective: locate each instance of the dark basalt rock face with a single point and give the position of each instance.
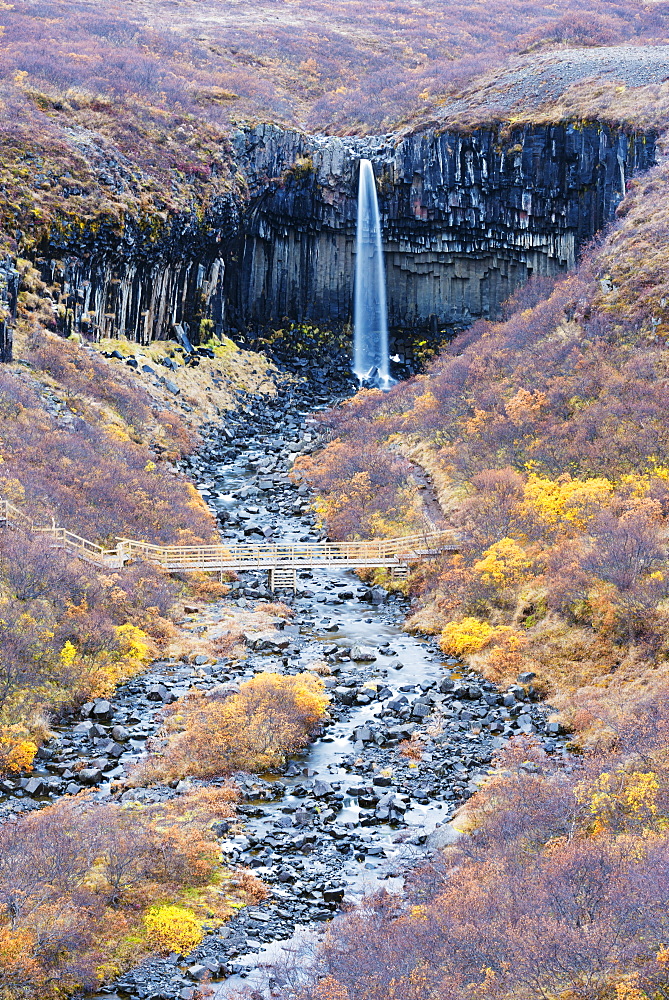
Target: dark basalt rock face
(140, 281)
(9, 289)
(467, 218)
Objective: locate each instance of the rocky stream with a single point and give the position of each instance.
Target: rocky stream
(352, 813)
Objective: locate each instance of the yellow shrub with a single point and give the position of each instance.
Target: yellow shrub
(503, 564)
(68, 654)
(569, 500)
(16, 754)
(134, 642)
(468, 636)
(616, 798)
(172, 928)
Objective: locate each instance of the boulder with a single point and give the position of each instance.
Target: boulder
(333, 895)
(34, 786)
(199, 972)
(363, 734)
(344, 695)
(160, 693)
(90, 776)
(363, 654)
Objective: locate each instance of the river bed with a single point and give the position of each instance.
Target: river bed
(411, 733)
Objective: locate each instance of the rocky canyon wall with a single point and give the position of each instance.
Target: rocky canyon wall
(141, 280)
(466, 217)
(9, 290)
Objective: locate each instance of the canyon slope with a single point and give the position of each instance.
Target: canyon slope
(191, 767)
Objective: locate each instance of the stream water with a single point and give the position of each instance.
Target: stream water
(351, 813)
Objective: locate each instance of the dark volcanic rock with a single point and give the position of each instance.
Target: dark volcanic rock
(466, 217)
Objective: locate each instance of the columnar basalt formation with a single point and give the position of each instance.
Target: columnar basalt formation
(141, 280)
(9, 289)
(466, 217)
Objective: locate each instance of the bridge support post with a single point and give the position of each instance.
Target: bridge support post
(399, 572)
(282, 578)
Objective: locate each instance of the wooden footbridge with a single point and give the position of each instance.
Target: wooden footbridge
(280, 561)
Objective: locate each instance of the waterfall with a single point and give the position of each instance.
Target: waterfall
(370, 320)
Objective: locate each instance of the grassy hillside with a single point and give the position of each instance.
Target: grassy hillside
(108, 112)
(91, 444)
(310, 61)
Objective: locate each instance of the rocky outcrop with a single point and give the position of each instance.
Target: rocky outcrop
(9, 289)
(467, 218)
(140, 280)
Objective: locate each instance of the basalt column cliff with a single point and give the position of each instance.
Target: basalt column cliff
(466, 218)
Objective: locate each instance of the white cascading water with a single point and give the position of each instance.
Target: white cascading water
(370, 319)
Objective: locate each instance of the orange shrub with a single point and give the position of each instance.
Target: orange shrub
(271, 716)
(16, 753)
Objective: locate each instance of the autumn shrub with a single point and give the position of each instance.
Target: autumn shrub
(362, 491)
(17, 753)
(272, 715)
(82, 885)
(504, 564)
(172, 928)
(100, 485)
(467, 636)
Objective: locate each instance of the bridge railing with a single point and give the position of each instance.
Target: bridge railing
(62, 538)
(379, 552)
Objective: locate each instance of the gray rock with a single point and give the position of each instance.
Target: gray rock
(346, 696)
(160, 693)
(363, 654)
(333, 895)
(35, 786)
(90, 776)
(396, 703)
(363, 734)
(199, 972)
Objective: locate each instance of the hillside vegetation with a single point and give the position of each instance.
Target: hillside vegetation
(108, 111)
(89, 444)
(306, 61)
(547, 437)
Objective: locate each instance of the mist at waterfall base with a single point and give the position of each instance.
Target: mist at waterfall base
(370, 318)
